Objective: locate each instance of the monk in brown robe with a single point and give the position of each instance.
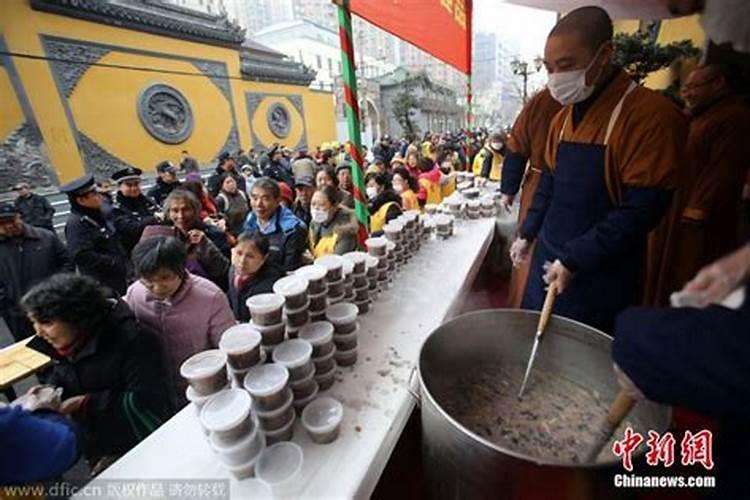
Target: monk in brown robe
(522, 168)
(718, 152)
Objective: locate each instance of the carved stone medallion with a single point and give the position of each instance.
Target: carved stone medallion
(165, 113)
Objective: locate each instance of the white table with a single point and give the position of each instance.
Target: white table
(375, 391)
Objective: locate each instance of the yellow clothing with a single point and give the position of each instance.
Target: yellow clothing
(449, 187)
(426, 149)
(377, 220)
(409, 200)
(497, 162)
(433, 189)
(338, 236)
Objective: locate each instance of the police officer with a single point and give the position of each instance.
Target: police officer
(93, 244)
(132, 210)
(166, 182)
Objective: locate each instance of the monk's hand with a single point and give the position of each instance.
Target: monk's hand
(716, 281)
(557, 273)
(519, 251)
(506, 201)
(627, 385)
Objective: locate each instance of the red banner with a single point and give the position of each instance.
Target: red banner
(440, 27)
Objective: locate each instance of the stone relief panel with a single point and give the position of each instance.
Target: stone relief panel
(278, 118)
(165, 113)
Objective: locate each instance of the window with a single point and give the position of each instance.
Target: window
(319, 61)
(330, 65)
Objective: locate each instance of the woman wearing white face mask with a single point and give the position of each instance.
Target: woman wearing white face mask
(384, 203)
(333, 229)
(611, 164)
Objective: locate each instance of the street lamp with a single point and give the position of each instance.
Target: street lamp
(523, 69)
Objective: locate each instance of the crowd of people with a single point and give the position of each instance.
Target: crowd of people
(623, 198)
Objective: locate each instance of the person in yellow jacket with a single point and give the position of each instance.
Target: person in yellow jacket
(384, 203)
(333, 228)
(488, 162)
(431, 181)
(406, 186)
(447, 163)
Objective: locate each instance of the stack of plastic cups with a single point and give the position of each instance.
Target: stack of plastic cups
(334, 276)
(348, 281)
(296, 356)
(443, 226)
(234, 432)
(371, 264)
(206, 375)
(488, 207)
(394, 232)
(343, 316)
(317, 289)
(428, 228)
(412, 224)
(296, 302)
(268, 384)
(454, 206)
(320, 336)
(473, 209)
(266, 311)
(391, 259)
(241, 344)
(378, 248)
(359, 280)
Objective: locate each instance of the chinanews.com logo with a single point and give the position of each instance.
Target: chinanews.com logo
(695, 449)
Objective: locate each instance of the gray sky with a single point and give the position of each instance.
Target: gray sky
(529, 26)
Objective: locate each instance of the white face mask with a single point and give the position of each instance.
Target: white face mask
(569, 87)
(319, 215)
(372, 192)
(497, 146)
(726, 22)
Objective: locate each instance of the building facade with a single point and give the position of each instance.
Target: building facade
(97, 86)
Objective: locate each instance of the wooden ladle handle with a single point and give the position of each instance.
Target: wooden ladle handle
(549, 303)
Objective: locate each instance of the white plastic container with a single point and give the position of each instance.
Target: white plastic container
(294, 290)
(334, 265)
(198, 400)
(376, 246)
(302, 389)
(205, 371)
(299, 404)
(345, 358)
(227, 416)
(335, 288)
(295, 355)
(297, 318)
(285, 433)
(266, 383)
(271, 334)
(347, 270)
(315, 275)
(322, 419)
(326, 380)
(325, 362)
(364, 306)
(279, 466)
(343, 316)
(242, 451)
(265, 308)
(276, 419)
(393, 231)
(241, 344)
(346, 341)
(358, 259)
(318, 302)
(320, 335)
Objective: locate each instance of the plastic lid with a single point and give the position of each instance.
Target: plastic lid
(355, 257)
(322, 415)
(331, 262)
(278, 411)
(292, 353)
(393, 227)
(442, 220)
(411, 215)
(313, 272)
(255, 488)
(265, 303)
(203, 364)
(473, 203)
(266, 329)
(391, 246)
(376, 242)
(196, 398)
(279, 463)
(317, 333)
(341, 313)
(239, 338)
(488, 203)
(265, 380)
(226, 410)
(290, 285)
(243, 442)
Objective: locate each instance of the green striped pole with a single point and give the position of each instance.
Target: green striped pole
(352, 115)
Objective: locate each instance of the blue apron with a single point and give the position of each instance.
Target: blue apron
(580, 200)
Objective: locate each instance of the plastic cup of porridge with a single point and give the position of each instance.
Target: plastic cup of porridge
(343, 316)
(205, 371)
(265, 308)
(346, 358)
(241, 344)
(322, 419)
(270, 335)
(376, 246)
(334, 265)
(295, 355)
(267, 384)
(285, 433)
(358, 259)
(242, 451)
(297, 318)
(346, 341)
(293, 289)
(320, 335)
(227, 416)
(315, 275)
(276, 419)
(279, 466)
(325, 380)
